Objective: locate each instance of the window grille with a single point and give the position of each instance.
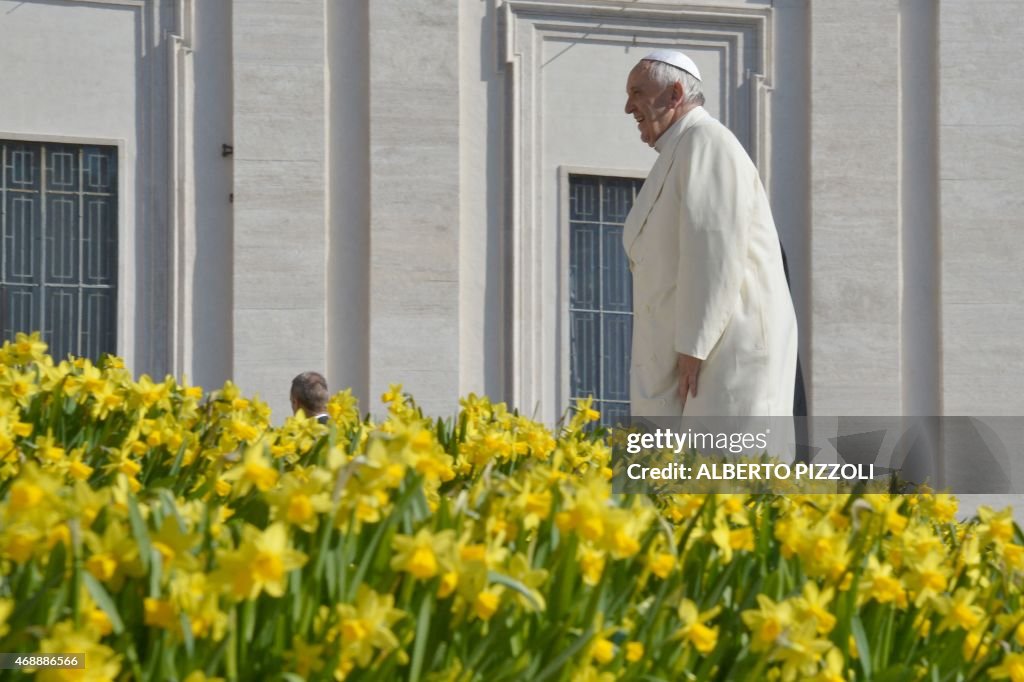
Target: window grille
(58, 251)
(600, 292)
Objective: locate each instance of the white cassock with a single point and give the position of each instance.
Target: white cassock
(708, 280)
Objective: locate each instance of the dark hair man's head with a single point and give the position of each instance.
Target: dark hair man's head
(309, 393)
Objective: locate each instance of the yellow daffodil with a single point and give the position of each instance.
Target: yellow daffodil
(6, 607)
(301, 499)
(365, 626)
(661, 564)
(175, 545)
(634, 651)
(193, 594)
(305, 658)
(959, 610)
(26, 348)
(591, 565)
(813, 604)
(255, 470)
(424, 554)
(1010, 668)
(602, 651)
(879, 583)
(487, 525)
(833, 668)
(997, 527)
(261, 563)
(159, 613)
(393, 394)
(21, 387)
(974, 647)
(767, 622)
(694, 629)
(101, 661)
(486, 603)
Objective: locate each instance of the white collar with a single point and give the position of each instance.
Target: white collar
(676, 129)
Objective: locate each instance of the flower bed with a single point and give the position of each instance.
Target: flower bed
(167, 534)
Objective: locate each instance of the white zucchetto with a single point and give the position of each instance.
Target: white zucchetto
(676, 59)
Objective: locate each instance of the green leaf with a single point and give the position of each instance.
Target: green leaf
(883, 641)
(565, 558)
(379, 533)
(140, 533)
(57, 564)
(536, 600)
(896, 673)
(170, 506)
(295, 587)
(556, 665)
(186, 632)
(773, 584)
(422, 633)
(102, 598)
(176, 466)
(324, 532)
(155, 573)
(329, 576)
(863, 648)
(714, 593)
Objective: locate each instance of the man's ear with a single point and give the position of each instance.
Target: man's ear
(677, 94)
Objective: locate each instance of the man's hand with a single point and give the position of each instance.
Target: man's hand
(688, 368)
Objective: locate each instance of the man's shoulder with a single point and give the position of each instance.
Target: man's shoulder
(710, 129)
(710, 133)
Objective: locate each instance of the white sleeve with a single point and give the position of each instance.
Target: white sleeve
(717, 182)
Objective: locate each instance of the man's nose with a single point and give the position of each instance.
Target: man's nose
(629, 106)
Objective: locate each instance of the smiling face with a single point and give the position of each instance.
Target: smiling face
(655, 107)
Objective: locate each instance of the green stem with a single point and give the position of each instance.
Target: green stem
(232, 650)
(76, 574)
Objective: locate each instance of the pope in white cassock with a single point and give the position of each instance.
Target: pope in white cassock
(714, 331)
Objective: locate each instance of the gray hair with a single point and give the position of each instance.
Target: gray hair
(666, 75)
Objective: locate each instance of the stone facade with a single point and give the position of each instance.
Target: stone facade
(392, 205)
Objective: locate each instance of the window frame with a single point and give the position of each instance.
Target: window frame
(564, 351)
(124, 235)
